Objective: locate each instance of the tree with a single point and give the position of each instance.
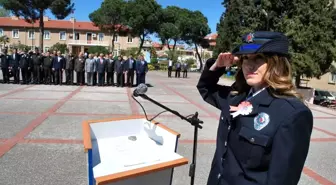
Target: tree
(170, 29)
(143, 17)
(311, 29)
(110, 17)
(98, 49)
(194, 29)
(33, 10)
(4, 12)
(59, 47)
(240, 17)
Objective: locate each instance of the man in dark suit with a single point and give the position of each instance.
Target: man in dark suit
(47, 65)
(130, 67)
(4, 65)
(69, 68)
(110, 71)
(142, 69)
(119, 69)
(178, 70)
(58, 68)
(101, 67)
(25, 66)
(14, 64)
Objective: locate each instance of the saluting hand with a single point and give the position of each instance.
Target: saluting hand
(224, 60)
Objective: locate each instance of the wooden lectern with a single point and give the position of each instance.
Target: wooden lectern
(130, 151)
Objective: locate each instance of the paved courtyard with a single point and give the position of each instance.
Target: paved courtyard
(41, 133)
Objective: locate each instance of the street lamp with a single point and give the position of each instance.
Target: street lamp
(267, 17)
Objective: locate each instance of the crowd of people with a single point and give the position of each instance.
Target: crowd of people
(90, 69)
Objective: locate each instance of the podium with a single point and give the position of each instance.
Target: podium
(130, 151)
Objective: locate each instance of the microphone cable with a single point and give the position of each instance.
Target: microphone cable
(143, 109)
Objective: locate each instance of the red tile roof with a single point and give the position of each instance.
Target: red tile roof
(50, 24)
(212, 36)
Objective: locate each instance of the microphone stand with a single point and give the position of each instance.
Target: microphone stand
(193, 121)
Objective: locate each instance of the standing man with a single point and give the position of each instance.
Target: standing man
(15, 66)
(37, 65)
(101, 67)
(79, 68)
(24, 66)
(47, 66)
(4, 65)
(142, 70)
(69, 68)
(130, 68)
(185, 69)
(178, 69)
(89, 69)
(58, 68)
(110, 71)
(170, 68)
(119, 69)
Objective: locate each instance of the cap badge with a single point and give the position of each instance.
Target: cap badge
(249, 38)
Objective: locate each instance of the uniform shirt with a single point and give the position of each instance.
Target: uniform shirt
(268, 146)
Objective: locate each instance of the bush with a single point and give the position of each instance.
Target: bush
(151, 67)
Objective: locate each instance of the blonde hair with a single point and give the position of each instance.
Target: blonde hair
(278, 76)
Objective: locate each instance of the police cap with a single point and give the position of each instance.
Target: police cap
(263, 42)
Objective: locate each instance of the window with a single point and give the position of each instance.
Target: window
(115, 38)
(1, 32)
(332, 78)
(77, 36)
(100, 36)
(62, 35)
(31, 34)
(46, 49)
(15, 34)
(46, 34)
(130, 39)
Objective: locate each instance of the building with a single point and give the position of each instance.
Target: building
(325, 82)
(78, 36)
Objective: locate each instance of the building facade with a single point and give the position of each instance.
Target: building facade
(78, 36)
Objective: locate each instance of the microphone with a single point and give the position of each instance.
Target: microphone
(141, 89)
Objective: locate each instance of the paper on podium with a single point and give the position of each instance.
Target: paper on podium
(121, 149)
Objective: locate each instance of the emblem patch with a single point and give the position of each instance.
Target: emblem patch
(261, 121)
(249, 38)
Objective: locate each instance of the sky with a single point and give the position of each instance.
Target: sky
(212, 10)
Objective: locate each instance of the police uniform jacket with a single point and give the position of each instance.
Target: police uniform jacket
(36, 59)
(268, 146)
(48, 62)
(4, 61)
(24, 61)
(79, 64)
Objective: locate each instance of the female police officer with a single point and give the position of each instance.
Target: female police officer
(264, 128)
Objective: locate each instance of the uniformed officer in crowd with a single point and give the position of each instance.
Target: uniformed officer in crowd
(265, 127)
(47, 68)
(36, 58)
(4, 65)
(25, 67)
(110, 71)
(69, 68)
